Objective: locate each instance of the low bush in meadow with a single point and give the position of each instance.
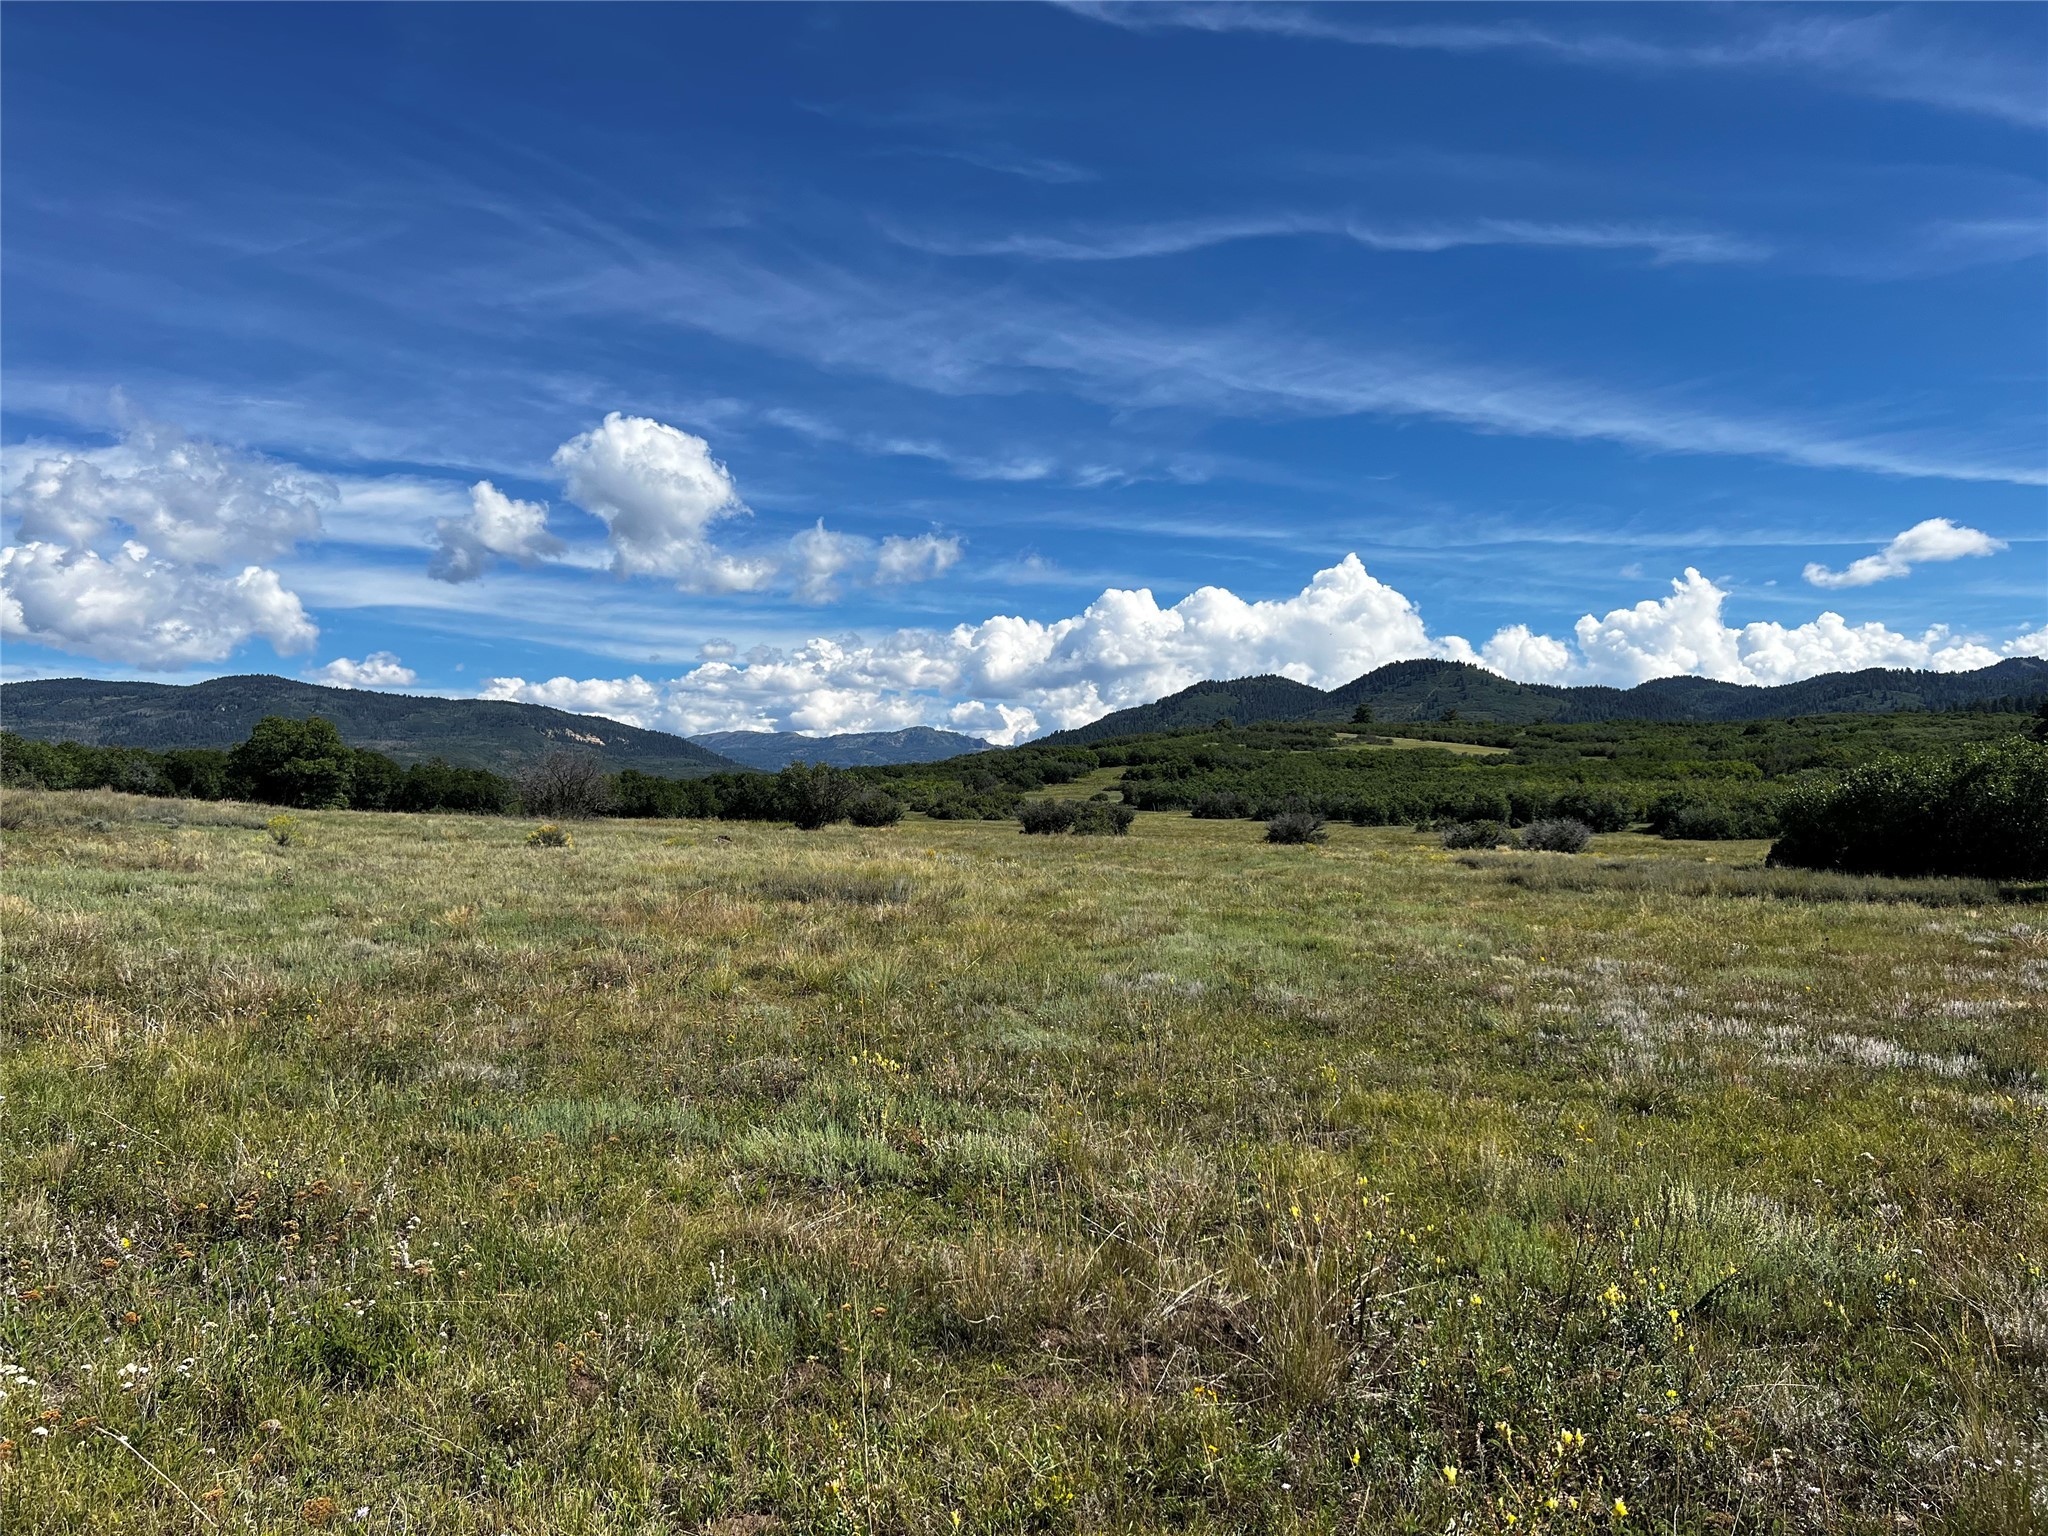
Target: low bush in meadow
(874, 808)
(1477, 834)
(1082, 818)
(1556, 834)
(1297, 827)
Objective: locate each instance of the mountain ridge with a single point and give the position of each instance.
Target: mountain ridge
(220, 712)
(770, 750)
(505, 736)
(1425, 689)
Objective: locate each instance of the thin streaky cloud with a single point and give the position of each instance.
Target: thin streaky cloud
(1665, 245)
(962, 346)
(1873, 55)
(1040, 168)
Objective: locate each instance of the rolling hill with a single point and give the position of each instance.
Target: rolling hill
(474, 733)
(770, 750)
(1426, 690)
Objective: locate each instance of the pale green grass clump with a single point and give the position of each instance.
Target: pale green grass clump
(927, 1178)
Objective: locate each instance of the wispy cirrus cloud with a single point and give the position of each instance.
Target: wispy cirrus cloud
(1177, 237)
(1006, 162)
(956, 344)
(1886, 54)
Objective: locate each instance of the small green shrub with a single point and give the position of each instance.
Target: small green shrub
(1557, 834)
(1297, 827)
(874, 808)
(1477, 834)
(1104, 818)
(1045, 817)
(283, 830)
(548, 835)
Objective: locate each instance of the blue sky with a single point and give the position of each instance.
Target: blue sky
(994, 366)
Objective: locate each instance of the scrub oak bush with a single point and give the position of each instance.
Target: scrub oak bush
(873, 808)
(814, 795)
(1297, 827)
(1477, 834)
(1704, 820)
(1557, 834)
(1980, 811)
(1221, 805)
(1082, 818)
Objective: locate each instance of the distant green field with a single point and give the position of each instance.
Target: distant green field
(403, 1177)
(1350, 743)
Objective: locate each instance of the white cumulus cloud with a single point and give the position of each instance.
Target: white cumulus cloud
(148, 551)
(661, 496)
(134, 608)
(1010, 678)
(379, 669)
(187, 501)
(1924, 543)
(1518, 652)
(1686, 634)
(498, 527)
(659, 491)
(2028, 642)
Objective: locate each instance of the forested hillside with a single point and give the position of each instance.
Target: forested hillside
(469, 733)
(770, 750)
(1407, 691)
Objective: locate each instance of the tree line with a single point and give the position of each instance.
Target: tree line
(1915, 793)
(305, 765)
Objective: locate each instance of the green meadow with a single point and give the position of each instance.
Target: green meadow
(385, 1173)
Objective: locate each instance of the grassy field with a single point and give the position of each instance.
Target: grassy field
(408, 1178)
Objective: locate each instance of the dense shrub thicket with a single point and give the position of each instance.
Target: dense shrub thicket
(1082, 818)
(1713, 780)
(1711, 818)
(1979, 811)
